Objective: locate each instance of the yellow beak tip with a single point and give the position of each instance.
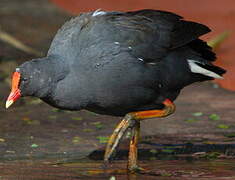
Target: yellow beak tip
(9, 103)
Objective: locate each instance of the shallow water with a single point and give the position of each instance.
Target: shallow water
(86, 169)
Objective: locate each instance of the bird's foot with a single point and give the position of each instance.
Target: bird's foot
(118, 133)
(135, 169)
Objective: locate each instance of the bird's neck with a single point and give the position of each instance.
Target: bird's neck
(52, 70)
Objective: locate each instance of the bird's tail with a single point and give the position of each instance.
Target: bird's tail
(208, 70)
(203, 65)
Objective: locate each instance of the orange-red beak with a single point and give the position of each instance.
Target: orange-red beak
(15, 91)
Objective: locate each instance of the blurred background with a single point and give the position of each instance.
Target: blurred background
(32, 130)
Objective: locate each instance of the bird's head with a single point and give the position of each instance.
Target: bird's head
(30, 79)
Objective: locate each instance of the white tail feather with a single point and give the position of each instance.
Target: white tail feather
(198, 69)
(98, 12)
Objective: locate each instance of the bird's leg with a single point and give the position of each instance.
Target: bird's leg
(169, 108)
(133, 152)
(132, 120)
(118, 133)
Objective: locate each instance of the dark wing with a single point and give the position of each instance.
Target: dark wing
(66, 41)
(151, 34)
(145, 34)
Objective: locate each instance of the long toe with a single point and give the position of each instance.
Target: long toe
(117, 135)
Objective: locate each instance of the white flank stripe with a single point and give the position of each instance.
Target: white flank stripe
(197, 69)
(98, 12)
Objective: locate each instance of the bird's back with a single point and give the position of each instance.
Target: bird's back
(149, 33)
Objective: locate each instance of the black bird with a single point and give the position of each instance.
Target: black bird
(130, 64)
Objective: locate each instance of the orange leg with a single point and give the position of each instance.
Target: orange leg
(117, 135)
(133, 151)
(132, 120)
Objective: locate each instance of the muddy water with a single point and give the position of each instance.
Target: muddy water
(85, 169)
